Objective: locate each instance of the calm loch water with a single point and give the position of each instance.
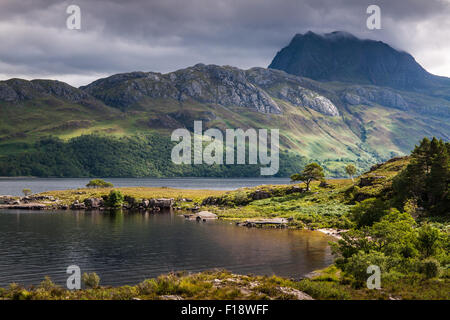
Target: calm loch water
(128, 248)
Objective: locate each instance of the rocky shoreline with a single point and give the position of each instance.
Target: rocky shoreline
(154, 205)
(38, 202)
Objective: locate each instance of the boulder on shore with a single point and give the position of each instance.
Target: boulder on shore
(201, 216)
(76, 205)
(7, 199)
(161, 203)
(93, 203)
(260, 194)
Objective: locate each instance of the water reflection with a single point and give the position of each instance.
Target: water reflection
(126, 248)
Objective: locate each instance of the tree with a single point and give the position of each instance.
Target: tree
(439, 179)
(312, 171)
(369, 211)
(426, 178)
(114, 199)
(394, 235)
(350, 170)
(99, 183)
(26, 192)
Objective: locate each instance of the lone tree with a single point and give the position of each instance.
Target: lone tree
(26, 192)
(312, 171)
(99, 183)
(351, 170)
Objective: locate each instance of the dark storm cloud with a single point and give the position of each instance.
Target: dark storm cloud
(164, 35)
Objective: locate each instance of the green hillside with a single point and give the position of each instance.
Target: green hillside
(124, 122)
(363, 134)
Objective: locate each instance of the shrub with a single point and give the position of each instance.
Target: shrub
(148, 287)
(356, 266)
(367, 212)
(430, 268)
(26, 192)
(167, 285)
(428, 240)
(91, 280)
(323, 289)
(115, 199)
(240, 198)
(352, 191)
(47, 284)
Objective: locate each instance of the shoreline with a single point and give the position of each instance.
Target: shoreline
(234, 205)
(335, 233)
(266, 224)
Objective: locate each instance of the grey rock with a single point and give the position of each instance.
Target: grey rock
(310, 99)
(226, 86)
(260, 194)
(217, 85)
(76, 205)
(16, 90)
(161, 203)
(370, 96)
(93, 203)
(293, 89)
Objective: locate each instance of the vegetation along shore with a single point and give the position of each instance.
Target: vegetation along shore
(395, 216)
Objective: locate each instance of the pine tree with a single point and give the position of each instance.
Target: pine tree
(427, 176)
(438, 180)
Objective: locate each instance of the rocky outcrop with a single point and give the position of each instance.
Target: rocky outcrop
(5, 199)
(16, 90)
(260, 194)
(295, 90)
(77, 205)
(274, 222)
(93, 203)
(222, 85)
(371, 96)
(306, 98)
(370, 180)
(201, 216)
(225, 86)
(161, 203)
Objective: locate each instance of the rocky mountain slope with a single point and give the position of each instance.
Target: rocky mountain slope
(225, 86)
(361, 118)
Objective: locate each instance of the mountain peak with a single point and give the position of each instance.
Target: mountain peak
(341, 56)
(335, 35)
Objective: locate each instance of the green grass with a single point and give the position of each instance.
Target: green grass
(327, 284)
(69, 196)
(215, 284)
(318, 208)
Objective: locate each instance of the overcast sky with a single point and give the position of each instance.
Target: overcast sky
(166, 35)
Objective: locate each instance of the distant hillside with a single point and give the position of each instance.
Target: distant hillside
(333, 123)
